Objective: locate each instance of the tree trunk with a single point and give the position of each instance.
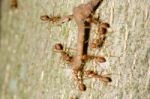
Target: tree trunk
(30, 69)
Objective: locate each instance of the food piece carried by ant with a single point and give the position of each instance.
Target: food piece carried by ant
(92, 74)
(13, 4)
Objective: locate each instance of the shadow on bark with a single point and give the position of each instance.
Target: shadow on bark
(87, 31)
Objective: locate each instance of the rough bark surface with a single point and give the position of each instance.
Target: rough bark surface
(30, 69)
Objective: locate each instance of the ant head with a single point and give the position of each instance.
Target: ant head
(88, 72)
(58, 47)
(44, 17)
(105, 25)
(109, 79)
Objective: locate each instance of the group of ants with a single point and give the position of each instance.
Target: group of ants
(95, 43)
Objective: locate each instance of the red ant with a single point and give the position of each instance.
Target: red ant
(90, 74)
(52, 19)
(59, 48)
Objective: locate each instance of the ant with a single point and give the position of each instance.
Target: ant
(52, 19)
(60, 20)
(57, 18)
(81, 85)
(59, 48)
(93, 74)
(96, 58)
(14, 4)
(102, 29)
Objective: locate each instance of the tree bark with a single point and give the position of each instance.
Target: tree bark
(30, 69)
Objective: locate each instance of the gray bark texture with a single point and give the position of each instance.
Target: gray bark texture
(30, 69)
